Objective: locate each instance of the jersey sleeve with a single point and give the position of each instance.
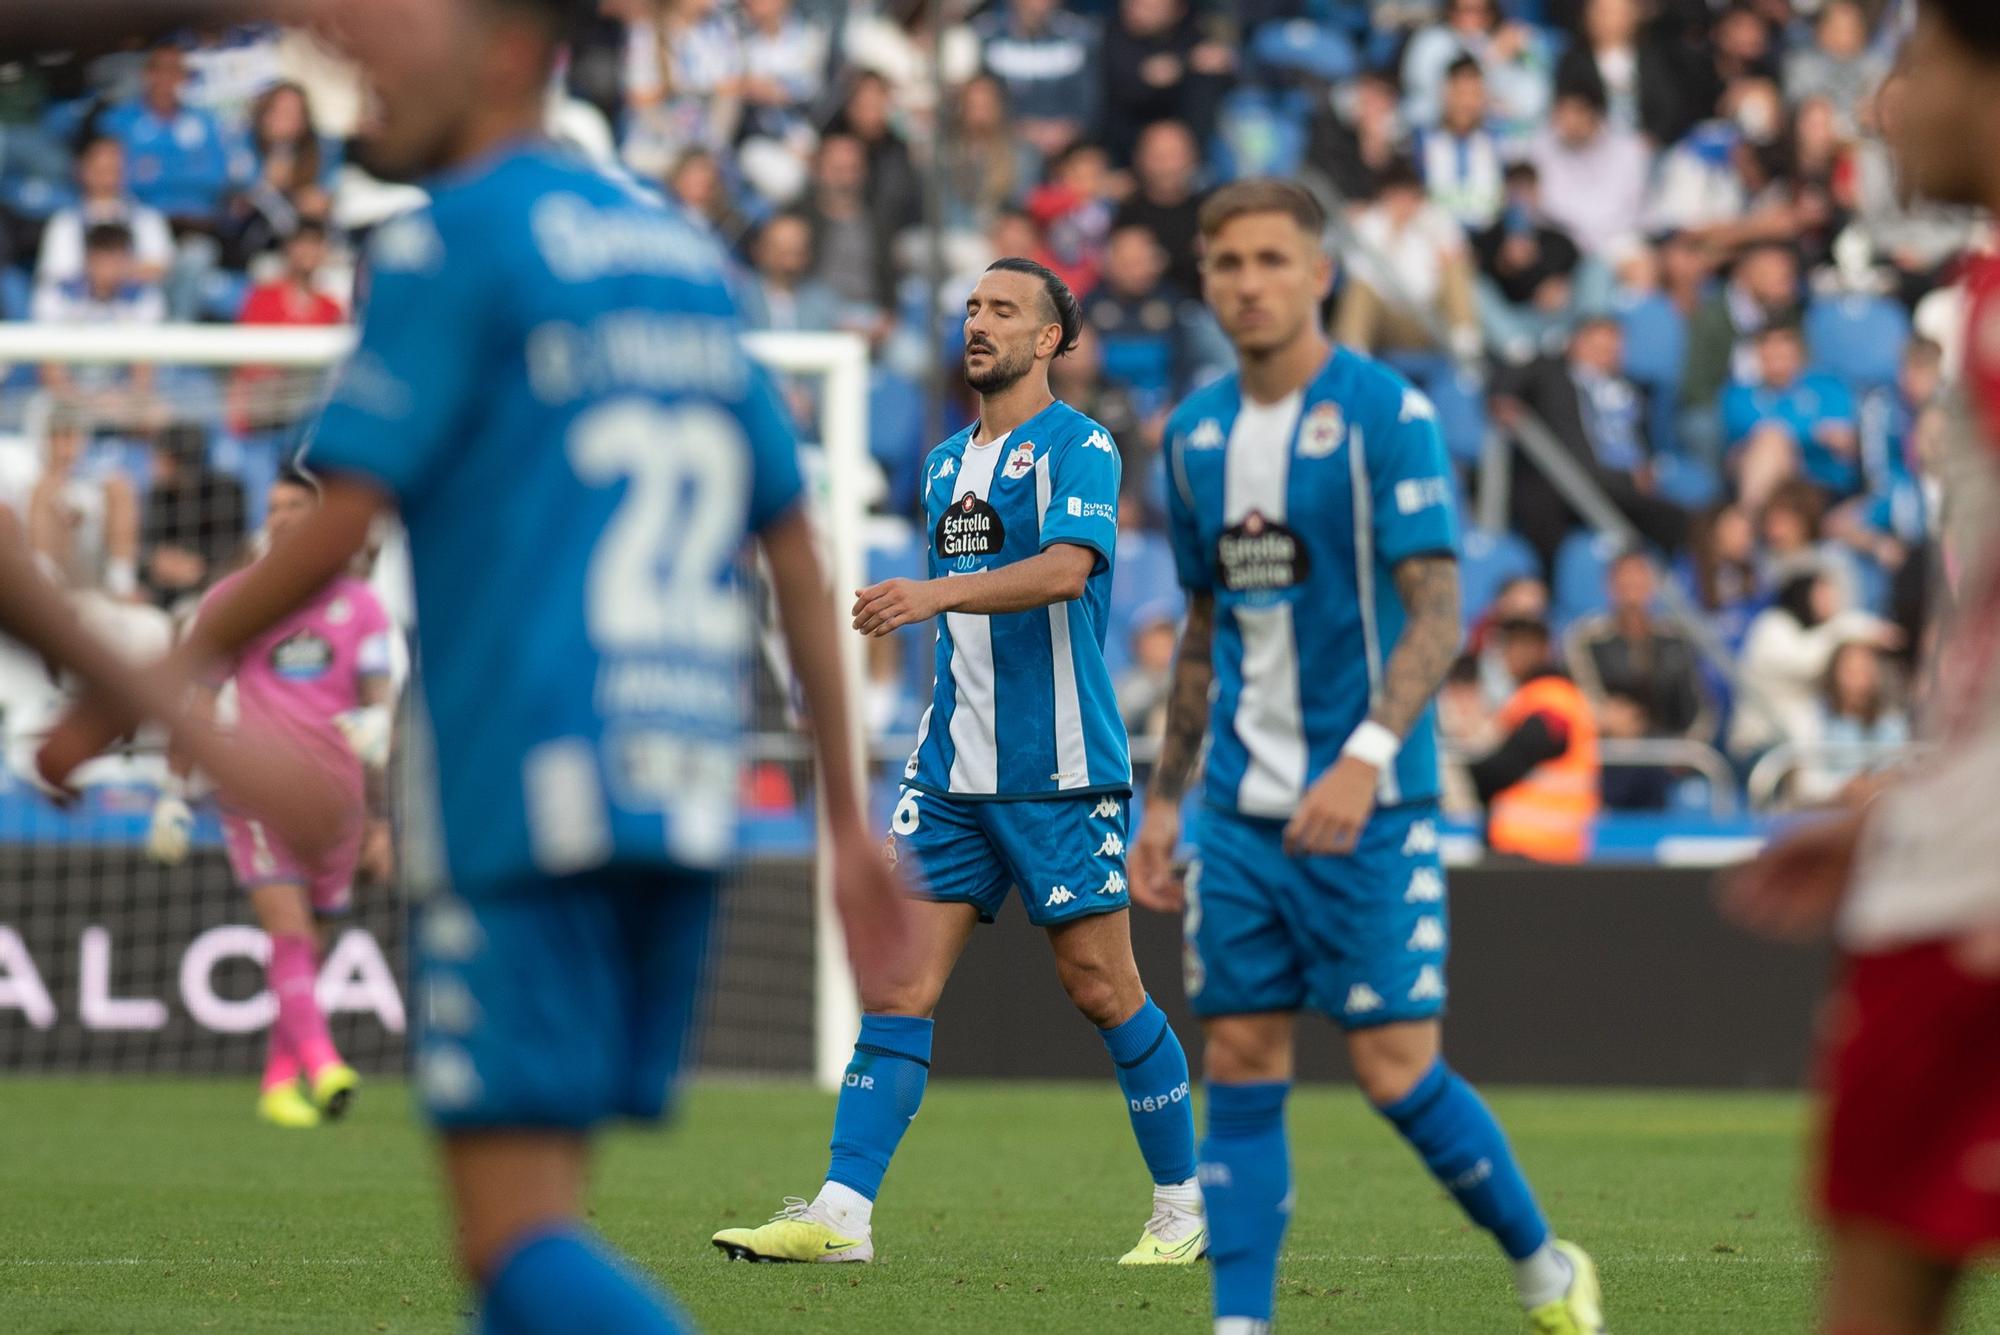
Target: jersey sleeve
(1191, 564)
(399, 399)
(374, 657)
(1083, 496)
(1410, 477)
(775, 482)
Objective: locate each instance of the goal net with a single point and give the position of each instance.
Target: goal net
(139, 460)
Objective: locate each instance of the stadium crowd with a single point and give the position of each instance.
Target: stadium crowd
(1662, 235)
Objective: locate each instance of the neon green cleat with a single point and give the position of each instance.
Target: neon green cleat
(801, 1231)
(283, 1105)
(1173, 1236)
(333, 1089)
(1579, 1311)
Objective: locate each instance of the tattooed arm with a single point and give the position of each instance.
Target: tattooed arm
(1428, 586)
(1151, 860)
(1336, 808)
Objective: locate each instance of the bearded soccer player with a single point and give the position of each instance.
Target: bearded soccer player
(550, 387)
(1909, 1070)
(1020, 778)
(1312, 524)
(321, 679)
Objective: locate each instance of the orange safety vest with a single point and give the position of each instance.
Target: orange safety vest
(1548, 815)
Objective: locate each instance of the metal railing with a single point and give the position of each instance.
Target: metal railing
(1767, 778)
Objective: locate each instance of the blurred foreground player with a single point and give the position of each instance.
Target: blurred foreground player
(321, 679)
(551, 388)
(1311, 515)
(1909, 1146)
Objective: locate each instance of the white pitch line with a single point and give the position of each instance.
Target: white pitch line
(68, 1261)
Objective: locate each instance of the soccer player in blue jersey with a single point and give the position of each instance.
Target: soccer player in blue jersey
(551, 389)
(1312, 524)
(1020, 777)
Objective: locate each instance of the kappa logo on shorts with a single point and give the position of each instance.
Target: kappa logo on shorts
(1112, 847)
(1114, 884)
(1426, 886)
(1106, 809)
(1429, 985)
(1058, 896)
(1361, 999)
(1429, 934)
(1422, 838)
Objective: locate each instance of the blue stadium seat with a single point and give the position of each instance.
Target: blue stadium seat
(16, 292)
(1857, 337)
(1578, 587)
(1301, 46)
(1486, 562)
(1259, 133)
(1655, 353)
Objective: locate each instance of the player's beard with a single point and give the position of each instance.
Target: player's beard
(1005, 371)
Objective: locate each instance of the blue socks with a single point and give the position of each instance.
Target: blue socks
(565, 1280)
(882, 1091)
(1246, 1182)
(1451, 1128)
(1153, 1072)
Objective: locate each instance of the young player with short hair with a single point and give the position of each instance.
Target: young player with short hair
(1909, 1142)
(320, 678)
(1311, 515)
(1020, 777)
(551, 388)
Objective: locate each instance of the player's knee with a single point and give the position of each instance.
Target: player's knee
(1236, 1053)
(901, 996)
(1106, 997)
(1390, 1061)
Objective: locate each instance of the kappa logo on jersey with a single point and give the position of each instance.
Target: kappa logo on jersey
(1058, 896)
(970, 527)
(1112, 847)
(1207, 435)
(1429, 985)
(1260, 555)
(1422, 838)
(1416, 408)
(1097, 440)
(1426, 886)
(1429, 935)
(1322, 431)
(1020, 460)
(303, 657)
(1114, 884)
(409, 244)
(945, 469)
(1361, 999)
(1106, 809)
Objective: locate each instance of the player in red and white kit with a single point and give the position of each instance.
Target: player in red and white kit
(321, 680)
(1909, 1070)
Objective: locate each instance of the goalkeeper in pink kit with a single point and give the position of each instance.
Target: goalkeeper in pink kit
(320, 680)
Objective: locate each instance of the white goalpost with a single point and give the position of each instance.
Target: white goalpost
(838, 362)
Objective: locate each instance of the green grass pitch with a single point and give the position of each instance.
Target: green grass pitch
(158, 1205)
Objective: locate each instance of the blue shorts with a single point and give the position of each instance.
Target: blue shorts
(1360, 938)
(1067, 853)
(559, 1003)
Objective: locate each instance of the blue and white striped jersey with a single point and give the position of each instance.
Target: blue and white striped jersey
(1293, 515)
(1039, 673)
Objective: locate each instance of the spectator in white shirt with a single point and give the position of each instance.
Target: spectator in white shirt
(108, 293)
(1411, 255)
(84, 530)
(1514, 55)
(103, 198)
(1593, 174)
(1461, 160)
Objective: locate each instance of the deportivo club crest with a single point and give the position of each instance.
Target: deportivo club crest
(1020, 461)
(1322, 432)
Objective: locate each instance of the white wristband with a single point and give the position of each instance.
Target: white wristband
(1373, 743)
